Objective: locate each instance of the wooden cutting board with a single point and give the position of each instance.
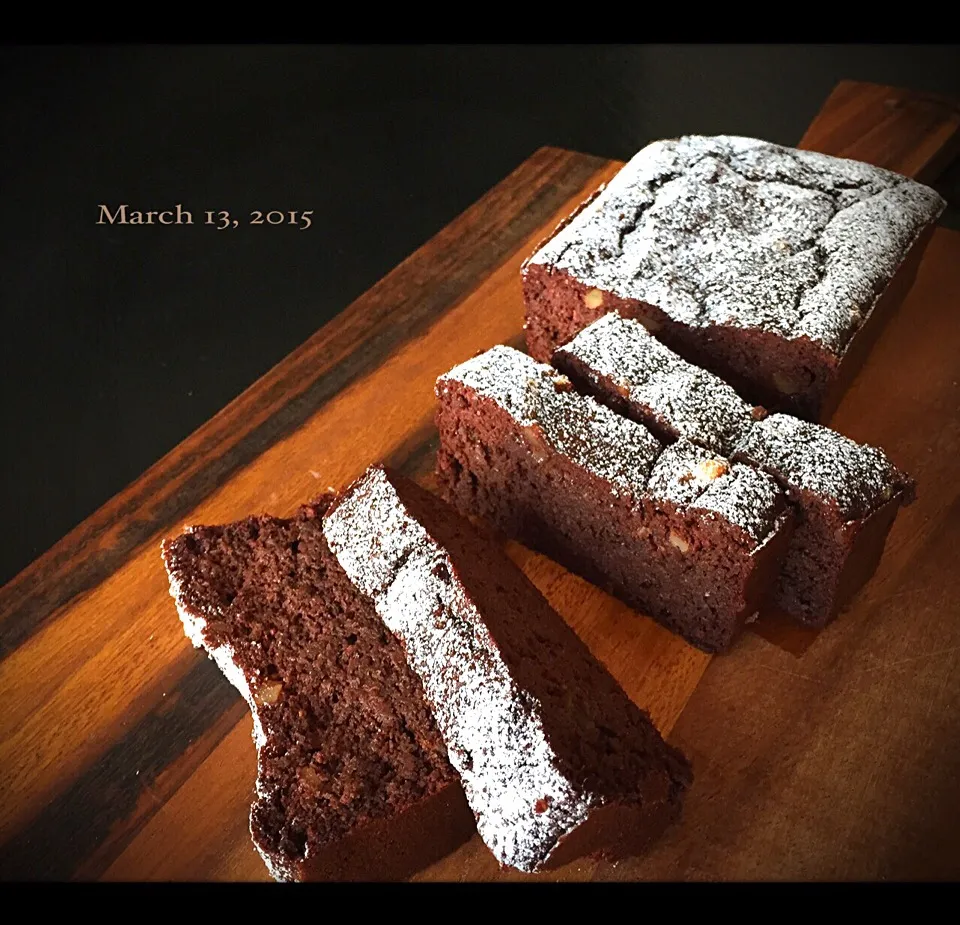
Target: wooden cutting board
(125, 755)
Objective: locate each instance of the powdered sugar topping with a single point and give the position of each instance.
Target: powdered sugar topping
(692, 477)
(729, 230)
(810, 457)
(493, 729)
(684, 399)
(537, 396)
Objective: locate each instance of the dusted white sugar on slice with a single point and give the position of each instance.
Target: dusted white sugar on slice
(537, 396)
(694, 478)
(856, 477)
(681, 398)
(552, 753)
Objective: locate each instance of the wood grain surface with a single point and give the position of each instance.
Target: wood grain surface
(125, 755)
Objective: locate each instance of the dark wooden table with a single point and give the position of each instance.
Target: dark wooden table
(125, 755)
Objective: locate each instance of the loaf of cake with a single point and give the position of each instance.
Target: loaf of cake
(353, 780)
(774, 268)
(846, 495)
(677, 532)
(555, 759)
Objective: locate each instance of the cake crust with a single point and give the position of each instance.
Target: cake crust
(723, 229)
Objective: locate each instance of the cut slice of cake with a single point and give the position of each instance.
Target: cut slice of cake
(679, 533)
(353, 780)
(846, 494)
(772, 267)
(555, 758)
(619, 362)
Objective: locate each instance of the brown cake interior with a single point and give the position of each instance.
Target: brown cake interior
(351, 756)
(830, 558)
(810, 575)
(695, 575)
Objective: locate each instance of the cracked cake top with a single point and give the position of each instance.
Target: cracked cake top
(736, 231)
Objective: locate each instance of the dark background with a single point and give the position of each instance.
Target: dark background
(117, 342)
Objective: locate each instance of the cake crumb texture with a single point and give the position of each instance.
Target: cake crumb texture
(345, 741)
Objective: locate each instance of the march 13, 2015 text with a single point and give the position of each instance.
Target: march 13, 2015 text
(221, 219)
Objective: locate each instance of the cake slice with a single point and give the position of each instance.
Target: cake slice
(556, 760)
(774, 268)
(353, 780)
(679, 533)
(846, 494)
(619, 362)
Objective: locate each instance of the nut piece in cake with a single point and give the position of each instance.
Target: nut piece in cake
(593, 298)
(706, 470)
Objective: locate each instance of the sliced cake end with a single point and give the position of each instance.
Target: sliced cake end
(847, 494)
(353, 780)
(555, 758)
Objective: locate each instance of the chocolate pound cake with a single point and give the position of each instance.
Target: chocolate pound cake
(846, 495)
(774, 268)
(555, 759)
(679, 533)
(353, 780)
(619, 362)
